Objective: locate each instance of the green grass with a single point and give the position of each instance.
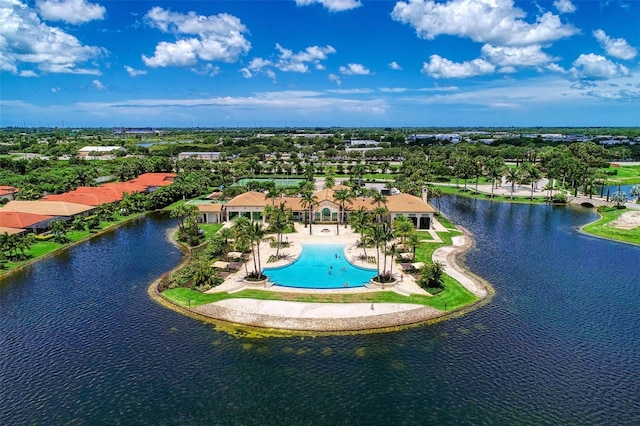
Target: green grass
(210, 228)
(601, 228)
(627, 175)
(470, 193)
(453, 297)
(444, 221)
(173, 205)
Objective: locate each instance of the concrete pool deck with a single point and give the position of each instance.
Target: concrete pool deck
(334, 317)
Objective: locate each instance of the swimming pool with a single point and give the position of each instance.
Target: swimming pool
(320, 266)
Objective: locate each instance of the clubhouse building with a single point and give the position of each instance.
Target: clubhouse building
(326, 209)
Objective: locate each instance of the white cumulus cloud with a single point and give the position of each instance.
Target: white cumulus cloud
(439, 67)
(213, 38)
(616, 47)
(564, 6)
(25, 39)
(496, 22)
(71, 11)
(354, 69)
(332, 5)
(297, 62)
(395, 66)
(515, 56)
(98, 85)
(134, 72)
(596, 67)
(335, 78)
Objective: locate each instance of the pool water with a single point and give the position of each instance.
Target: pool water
(320, 266)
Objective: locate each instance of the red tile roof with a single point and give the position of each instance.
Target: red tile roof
(154, 179)
(21, 220)
(67, 197)
(122, 187)
(7, 190)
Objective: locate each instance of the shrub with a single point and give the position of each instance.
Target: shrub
(559, 198)
(431, 276)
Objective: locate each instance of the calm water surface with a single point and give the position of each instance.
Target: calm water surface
(81, 342)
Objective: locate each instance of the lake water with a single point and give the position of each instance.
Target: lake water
(82, 343)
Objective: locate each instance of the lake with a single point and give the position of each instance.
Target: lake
(82, 343)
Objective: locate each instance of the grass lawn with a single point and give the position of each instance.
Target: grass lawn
(210, 229)
(627, 175)
(454, 296)
(173, 205)
(470, 193)
(601, 228)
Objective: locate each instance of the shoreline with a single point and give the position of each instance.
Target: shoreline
(604, 237)
(289, 318)
(115, 226)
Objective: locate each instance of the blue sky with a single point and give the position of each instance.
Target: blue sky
(300, 63)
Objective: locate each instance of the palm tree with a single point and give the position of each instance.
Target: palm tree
(59, 231)
(619, 198)
(279, 218)
(402, 227)
(413, 241)
(225, 233)
(380, 235)
(435, 192)
(635, 192)
(308, 201)
(392, 250)
(343, 196)
(495, 169)
(380, 201)
(513, 177)
(360, 221)
(256, 234)
(182, 212)
(534, 174)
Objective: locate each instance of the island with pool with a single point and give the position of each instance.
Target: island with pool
(330, 260)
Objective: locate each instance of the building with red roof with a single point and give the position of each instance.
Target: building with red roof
(29, 221)
(8, 192)
(154, 180)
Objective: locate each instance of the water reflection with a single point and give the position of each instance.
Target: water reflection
(82, 343)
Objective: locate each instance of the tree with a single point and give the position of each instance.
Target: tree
(635, 191)
(431, 276)
(279, 218)
(402, 227)
(619, 198)
(381, 204)
(495, 169)
(435, 193)
(532, 173)
(513, 177)
(343, 196)
(392, 250)
(380, 235)
(225, 233)
(414, 241)
(309, 200)
(59, 231)
(360, 221)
